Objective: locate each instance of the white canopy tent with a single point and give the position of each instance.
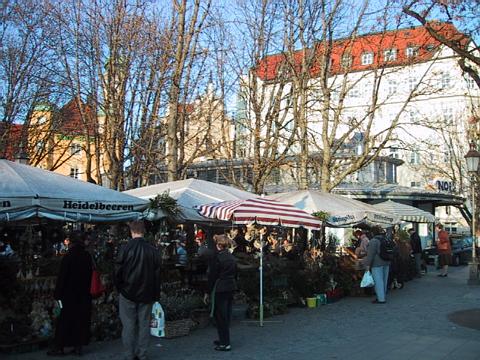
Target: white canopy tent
(27, 192)
(406, 212)
(342, 211)
(191, 193)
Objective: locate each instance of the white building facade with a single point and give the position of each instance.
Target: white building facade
(401, 83)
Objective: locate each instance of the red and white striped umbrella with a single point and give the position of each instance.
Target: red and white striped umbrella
(261, 211)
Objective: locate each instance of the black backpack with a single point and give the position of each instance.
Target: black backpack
(387, 248)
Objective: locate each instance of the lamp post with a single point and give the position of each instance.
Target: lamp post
(473, 158)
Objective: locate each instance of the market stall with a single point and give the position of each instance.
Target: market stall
(37, 210)
(260, 211)
(339, 211)
(190, 193)
(28, 192)
(406, 212)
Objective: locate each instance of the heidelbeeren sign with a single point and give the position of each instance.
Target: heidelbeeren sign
(87, 205)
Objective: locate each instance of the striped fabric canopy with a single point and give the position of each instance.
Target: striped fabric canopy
(261, 211)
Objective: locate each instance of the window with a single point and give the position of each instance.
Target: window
(367, 88)
(414, 158)
(334, 95)
(470, 82)
(74, 172)
(445, 81)
(367, 58)
(346, 61)
(390, 55)
(411, 51)
(75, 148)
(448, 211)
(413, 115)
(392, 87)
(415, 184)
(446, 155)
(412, 83)
(40, 146)
(448, 116)
(394, 153)
(354, 92)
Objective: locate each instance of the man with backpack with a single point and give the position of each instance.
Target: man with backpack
(379, 255)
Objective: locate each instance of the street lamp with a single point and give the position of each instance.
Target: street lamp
(473, 158)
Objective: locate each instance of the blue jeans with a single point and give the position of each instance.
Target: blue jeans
(380, 276)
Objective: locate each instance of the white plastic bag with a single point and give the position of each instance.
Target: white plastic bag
(367, 280)
(157, 321)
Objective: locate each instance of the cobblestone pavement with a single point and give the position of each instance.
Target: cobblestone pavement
(412, 325)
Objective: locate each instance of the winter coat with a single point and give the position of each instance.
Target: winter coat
(137, 271)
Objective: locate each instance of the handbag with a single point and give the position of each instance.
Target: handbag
(367, 280)
(96, 286)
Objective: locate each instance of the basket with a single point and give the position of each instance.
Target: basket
(201, 318)
(178, 328)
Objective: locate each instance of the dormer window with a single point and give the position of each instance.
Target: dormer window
(346, 61)
(367, 58)
(411, 51)
(390, 55)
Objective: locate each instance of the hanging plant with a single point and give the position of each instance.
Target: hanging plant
(165, 203)
(322, 215)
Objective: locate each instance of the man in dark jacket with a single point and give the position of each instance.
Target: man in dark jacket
(416, 245)
(221, 281)
(137, 278)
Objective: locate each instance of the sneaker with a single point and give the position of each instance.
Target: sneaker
(223, 348)
(378, 302)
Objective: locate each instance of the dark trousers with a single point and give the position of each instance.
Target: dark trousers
(223, 314)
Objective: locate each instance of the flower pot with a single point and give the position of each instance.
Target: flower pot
(312, 302)
(321, 299)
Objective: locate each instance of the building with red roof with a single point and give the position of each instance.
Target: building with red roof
(403, 81)
(64, 140)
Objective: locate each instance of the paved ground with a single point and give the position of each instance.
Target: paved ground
(413, 324)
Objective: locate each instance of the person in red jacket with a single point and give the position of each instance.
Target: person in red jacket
(444, 250)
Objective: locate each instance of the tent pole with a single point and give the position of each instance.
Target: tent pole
(261, 280)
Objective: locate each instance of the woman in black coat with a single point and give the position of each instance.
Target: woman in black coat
(73, 292)
(221, 280)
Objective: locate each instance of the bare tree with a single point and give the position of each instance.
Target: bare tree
(24, 71)
(317, 84)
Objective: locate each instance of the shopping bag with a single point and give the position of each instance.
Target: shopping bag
(367, 280)
(157, 321)
(96, 286)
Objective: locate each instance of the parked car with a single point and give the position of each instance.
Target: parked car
(461, 250)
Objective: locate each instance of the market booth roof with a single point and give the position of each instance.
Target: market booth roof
(260, 211)
(406, 212)
(191, 193)
(27, 192)
(341, 211)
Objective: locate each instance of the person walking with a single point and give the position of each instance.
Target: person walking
(416, 245)
(221, 281)
(444, 250)
(137, 278)
(378, 266)
(72, 291)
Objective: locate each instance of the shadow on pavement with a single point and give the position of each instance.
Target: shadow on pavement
(468, 318)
